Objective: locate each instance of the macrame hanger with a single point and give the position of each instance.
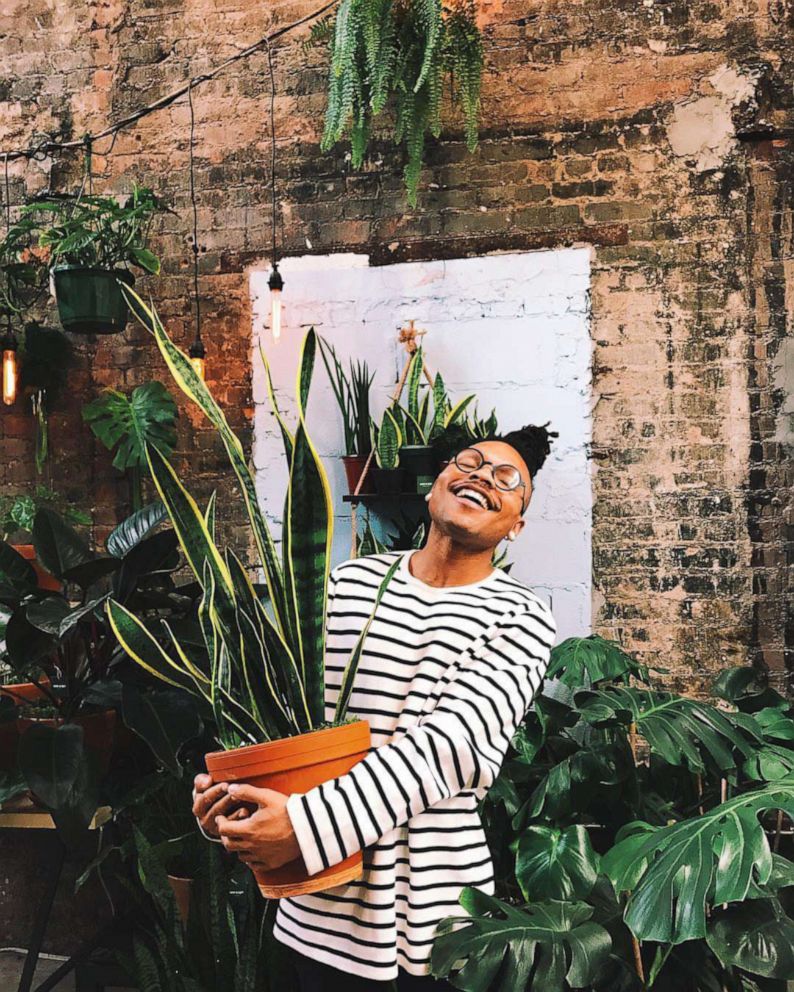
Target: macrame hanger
(407, 337)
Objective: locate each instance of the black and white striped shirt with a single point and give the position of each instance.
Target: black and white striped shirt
(446, 675)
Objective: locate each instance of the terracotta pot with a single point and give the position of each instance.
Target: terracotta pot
(354, 466)
(98, 732)
(182, 889)
(297, 764)
(46, 581)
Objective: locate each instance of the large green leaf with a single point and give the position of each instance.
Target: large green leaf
(682, 730)
(756, 935)
(674, 872)
(165, 719)
(552, 863)
(556, 943)
(55, 616)
(130, 424)
(15, 570)
(144, 649)
(583, 661)
(59, 547)
(130, 532)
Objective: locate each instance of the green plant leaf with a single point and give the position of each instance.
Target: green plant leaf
(146, 259)
(673, 872)
(15, 570)
(553, 942)
(756, 936)
(585, 661)
(164, 719)
(57, 770)
(130, 532)
(58, 546)
(130, 424)
(555, 863)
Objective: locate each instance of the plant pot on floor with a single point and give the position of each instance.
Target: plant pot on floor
(45, 580)
(297, 764)
(182, 889)
(354, 466)
(421, 463)
(388, 481)
(90, 301)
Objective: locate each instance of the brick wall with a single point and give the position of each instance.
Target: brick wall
(658, 133)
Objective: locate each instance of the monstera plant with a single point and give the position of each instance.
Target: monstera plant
(636, 836)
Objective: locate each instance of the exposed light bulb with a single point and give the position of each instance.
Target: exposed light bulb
(276, 284)
(198, 359)
(10, 375)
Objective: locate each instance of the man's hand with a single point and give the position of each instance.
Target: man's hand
(211, 801)
(265, 838)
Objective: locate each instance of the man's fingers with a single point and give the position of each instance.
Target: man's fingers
(207, 799)
(202, 782)
(231, 828)
(261, 797)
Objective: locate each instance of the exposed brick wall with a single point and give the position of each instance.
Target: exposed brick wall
(613, 124)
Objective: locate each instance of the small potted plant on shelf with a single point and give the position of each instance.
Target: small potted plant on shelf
(352, 397)
(262, 671)
(93, 243)
(388, 475)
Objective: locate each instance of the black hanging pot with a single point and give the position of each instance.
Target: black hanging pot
(421, 462)
(388, 481)
(90, 301)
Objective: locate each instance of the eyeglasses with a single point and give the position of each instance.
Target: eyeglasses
(506, 477)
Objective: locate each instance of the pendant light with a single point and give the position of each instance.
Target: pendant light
(275, 282)
(10, 373)
(197, 352)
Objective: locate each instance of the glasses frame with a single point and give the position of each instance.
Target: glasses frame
(494, 466)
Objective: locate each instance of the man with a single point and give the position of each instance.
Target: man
(453, 659)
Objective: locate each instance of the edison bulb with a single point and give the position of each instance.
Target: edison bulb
(9, 376)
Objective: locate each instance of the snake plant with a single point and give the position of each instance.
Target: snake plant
(420, 423)
(262, 671)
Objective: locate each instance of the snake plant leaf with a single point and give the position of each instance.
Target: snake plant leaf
(389, 440)
(188, 521)
(130, 424)
(130, 532)
(555, 863)
(209, 513)
(439, 403)
(756, 935)
(286, 433)
(413, 428)
(457, 411)
(195, 389)
(555, 943)
(58, 546)
(683, 731)
(675, 871)
(15, 570)
(585, 661)
(309, 524)
(144, 649)
(349, 675)
(413, 381)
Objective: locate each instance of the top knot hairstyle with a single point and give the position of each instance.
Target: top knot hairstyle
(533, 443)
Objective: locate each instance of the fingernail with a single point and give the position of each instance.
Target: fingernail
(231, 788)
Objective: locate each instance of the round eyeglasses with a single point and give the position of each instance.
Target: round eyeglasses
(506, 477)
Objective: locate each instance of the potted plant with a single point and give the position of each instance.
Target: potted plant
(352, 397)
(635, 840)
(92, 243)
(388, 475)
(421, 426)
(263, 672)
(129, 423)
(66, 733)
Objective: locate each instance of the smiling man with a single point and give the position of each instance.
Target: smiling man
(454, 657)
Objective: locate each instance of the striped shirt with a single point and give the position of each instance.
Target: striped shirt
(445, 677)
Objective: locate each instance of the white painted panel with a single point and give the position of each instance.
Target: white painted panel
(513, 328)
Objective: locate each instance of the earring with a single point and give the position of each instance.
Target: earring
(427, 497)
(511, 536)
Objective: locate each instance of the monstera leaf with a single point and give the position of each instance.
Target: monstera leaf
(556, 942)
(582, 661)
(556, 864)
(756, 935)
(130, 423)
(673, 872)
(680, 729)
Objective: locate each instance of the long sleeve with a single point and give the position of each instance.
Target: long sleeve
(459, 745)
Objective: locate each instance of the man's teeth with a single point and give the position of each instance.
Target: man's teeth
(473, 494)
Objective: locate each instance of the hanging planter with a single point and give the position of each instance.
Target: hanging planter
(91, 243)
(90, 301)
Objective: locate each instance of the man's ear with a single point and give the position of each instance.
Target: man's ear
(518, 526)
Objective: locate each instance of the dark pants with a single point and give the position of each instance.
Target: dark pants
(316, 977)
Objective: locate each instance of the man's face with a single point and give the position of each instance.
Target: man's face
(462, 516)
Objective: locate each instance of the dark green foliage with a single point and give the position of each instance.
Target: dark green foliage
(395, 54)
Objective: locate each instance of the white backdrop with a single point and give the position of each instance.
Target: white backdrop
(512, 328)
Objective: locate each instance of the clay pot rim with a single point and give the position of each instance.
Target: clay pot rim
(302, 749)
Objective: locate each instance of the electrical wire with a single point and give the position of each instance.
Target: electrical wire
(50, 145)
(197, 340)
(272, 146)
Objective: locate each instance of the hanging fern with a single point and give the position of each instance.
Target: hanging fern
(396, 53)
